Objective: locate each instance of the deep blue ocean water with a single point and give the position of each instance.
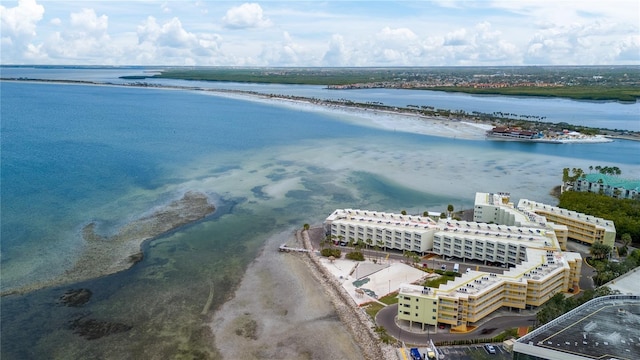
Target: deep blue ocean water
(73, 154)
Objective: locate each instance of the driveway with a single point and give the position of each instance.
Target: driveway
(497, 324)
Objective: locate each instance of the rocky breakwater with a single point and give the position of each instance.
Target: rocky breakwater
(356, 321)
(107, 255)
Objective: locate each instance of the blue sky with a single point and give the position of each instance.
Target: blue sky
(321, 33)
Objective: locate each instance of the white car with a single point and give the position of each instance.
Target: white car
(490, 348)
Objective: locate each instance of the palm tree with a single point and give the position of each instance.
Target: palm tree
(599, 250)
(590, 168)
(450, 209)
(565, 175)
(625, 239)
(369, 242)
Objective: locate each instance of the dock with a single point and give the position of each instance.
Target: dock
(285, 248)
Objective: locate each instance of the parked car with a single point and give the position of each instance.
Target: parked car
(490, 348)
(415, 354)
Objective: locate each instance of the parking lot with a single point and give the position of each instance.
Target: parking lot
(473, 352)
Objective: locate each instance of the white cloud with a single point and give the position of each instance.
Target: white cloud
(87, 21)
(21, 20)
(402, 34)
(384, 33)
(35, 53)
(86, 38)
(165, 7)
(628, 49)
(574, 43)
(172, 44)
(284, 53)
(247, 15)
(337, 54)
(456, 38)
(173, 35)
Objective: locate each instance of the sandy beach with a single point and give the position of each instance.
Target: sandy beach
(381, 119)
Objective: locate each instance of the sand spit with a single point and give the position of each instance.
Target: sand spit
(393, 120)
(104, 256)
(289, 307)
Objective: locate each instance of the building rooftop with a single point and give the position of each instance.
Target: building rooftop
(524, 205)
(627, 283)
(502, 199)
(540, 264)
(531, 237)
(613, 181)
(603, 328)
(388, 220)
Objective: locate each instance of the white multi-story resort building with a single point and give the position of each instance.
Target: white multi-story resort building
(521, 237)
(386, 230)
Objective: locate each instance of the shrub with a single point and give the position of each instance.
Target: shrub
(622, 251)
(336, 253)
(355, 255)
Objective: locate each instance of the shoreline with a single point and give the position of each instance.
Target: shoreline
(284, 301)
(387, 118)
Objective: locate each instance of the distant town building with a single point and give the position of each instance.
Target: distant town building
(607, 327)
(609, 185)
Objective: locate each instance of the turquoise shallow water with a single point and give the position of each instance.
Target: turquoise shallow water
(74, 154)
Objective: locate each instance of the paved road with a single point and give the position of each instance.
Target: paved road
(386, 318)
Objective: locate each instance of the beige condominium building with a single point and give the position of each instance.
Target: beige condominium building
(539, 271)
(581, 227)
(538, 268)
(498, 208)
